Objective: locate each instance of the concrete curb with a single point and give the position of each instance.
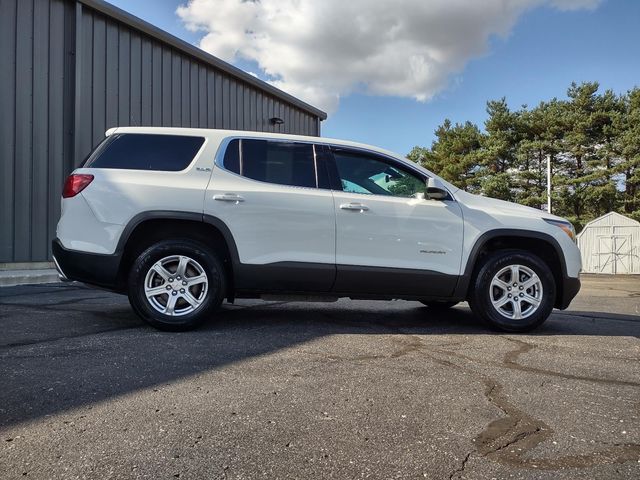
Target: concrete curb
(11, 278)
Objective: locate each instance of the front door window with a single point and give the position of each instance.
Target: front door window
(367, 175)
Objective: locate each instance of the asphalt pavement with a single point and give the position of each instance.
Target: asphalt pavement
(352, 389)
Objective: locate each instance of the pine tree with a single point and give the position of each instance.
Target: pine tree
(628, 126)
(453, 154)
(499, 151)
(592, 140)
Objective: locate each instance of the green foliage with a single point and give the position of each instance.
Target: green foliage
(406, 186)
(455, 155)
(591, 138)
(498, 186)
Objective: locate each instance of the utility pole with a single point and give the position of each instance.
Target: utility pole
(548, 183)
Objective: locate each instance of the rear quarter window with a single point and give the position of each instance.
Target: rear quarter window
(138, 151)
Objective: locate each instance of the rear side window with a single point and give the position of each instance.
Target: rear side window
(136, 151)
(284, 163)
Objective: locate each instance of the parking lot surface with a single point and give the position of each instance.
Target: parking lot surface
(353, 389)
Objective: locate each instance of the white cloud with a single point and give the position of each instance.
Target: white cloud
(319, 50)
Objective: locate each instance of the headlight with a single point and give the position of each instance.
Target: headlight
(565, 226)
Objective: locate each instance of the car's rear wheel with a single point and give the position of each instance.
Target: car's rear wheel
(176, 285)
(513, 290)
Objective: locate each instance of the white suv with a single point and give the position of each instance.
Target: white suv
(180, 219)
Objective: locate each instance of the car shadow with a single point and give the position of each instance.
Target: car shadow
(66, 347)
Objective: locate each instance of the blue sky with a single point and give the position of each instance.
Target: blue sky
(546, 50)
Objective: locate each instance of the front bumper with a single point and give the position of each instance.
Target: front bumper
(92, 268)
(570, 288)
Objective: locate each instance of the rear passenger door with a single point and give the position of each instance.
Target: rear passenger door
(283, 225)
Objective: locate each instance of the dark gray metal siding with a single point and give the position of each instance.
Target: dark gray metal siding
(69, 72)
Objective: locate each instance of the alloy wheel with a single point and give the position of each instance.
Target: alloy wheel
(176, 285)
(516, 292)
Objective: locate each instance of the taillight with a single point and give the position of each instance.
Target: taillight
(76, 182)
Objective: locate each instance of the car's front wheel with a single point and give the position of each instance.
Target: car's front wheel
(176, 285)
(513, 290)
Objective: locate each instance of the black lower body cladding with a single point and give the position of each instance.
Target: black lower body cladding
(570, 288)
(92, 268)
(104, 271)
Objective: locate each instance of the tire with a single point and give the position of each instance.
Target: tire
(439, 304)
(195, 294)
(503, 306)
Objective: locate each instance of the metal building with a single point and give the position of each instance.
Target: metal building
(610, 244)
(71, 69)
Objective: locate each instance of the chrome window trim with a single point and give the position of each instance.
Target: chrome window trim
(222, 149)
(315, 165)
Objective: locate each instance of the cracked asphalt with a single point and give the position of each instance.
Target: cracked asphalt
(353, 389)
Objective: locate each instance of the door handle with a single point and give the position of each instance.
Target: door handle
(360, 207)
(229, 197)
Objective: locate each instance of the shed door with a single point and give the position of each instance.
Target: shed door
(614, 254)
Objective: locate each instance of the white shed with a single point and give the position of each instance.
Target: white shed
(610, 244)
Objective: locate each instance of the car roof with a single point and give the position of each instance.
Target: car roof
(249, 134)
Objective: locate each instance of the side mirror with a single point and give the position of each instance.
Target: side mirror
(436, 190)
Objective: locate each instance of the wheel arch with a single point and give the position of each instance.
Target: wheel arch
(542, 245)
(147, 228)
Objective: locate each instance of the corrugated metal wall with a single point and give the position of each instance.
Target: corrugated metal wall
(36, 122)
(67, 74)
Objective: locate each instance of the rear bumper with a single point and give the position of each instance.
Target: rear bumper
(570, 288)
(92, 268)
